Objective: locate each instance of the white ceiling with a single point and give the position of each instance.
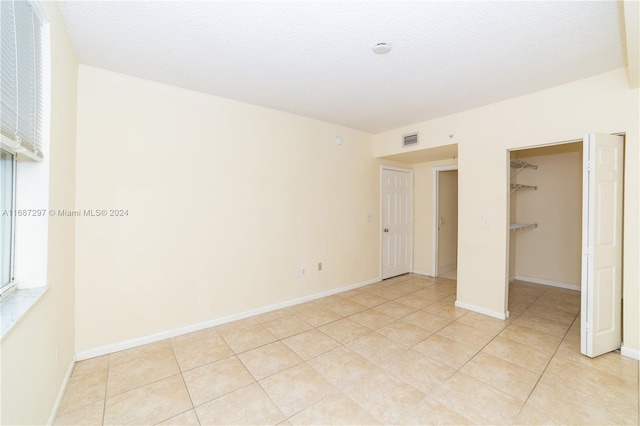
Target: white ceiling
(314, 58)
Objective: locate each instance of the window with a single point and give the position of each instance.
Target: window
(24, 167)
(7, 174)
(22, 79)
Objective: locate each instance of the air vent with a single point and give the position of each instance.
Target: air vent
(410, 140)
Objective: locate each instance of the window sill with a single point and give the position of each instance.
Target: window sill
(16, 305)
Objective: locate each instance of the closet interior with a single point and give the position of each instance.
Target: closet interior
(545, 191)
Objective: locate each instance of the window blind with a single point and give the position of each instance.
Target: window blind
(21, 85)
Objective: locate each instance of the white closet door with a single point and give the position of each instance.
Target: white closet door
(601, 312)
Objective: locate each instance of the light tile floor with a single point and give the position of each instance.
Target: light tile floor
(452, 275)
(395, 352)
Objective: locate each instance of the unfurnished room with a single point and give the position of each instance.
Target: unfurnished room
(319, 212)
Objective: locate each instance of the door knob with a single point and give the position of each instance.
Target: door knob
(386, 230)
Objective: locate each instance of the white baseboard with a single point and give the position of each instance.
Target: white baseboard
(447, 268)
(630, 353)
(63, 388)
(421, 272)
(156, 337)
(548, 282)
(512, 278)
(480, 310)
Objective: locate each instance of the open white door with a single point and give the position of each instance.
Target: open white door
(397, 222)
(601, 313)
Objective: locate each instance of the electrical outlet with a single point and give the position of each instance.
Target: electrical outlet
(319, 266)
(299, 272)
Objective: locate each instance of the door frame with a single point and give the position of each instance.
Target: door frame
(508, 230)
(397, 169)
(436, 208)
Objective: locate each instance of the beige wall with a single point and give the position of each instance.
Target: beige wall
(603, 104)
(225, 201)
(553, 251)
(31, 374)
(423, 214)
(448, 213)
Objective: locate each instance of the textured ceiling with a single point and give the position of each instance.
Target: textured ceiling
(314, 58)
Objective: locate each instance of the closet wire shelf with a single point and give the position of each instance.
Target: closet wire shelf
(518, 186)
(520, 165)
(515, 227)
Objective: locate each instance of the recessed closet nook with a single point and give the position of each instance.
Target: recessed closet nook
(546, 218)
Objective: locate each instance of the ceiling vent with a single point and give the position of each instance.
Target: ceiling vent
(410, 140)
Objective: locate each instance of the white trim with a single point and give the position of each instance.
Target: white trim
(436, 205)
(397, 169)
(575, 287)
(16, 304)
(63, 389)
(447, 268)
(478, 309)
(421, 272)
(156, 337)
(630, 353)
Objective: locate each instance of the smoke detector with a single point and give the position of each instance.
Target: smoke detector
(381, 48)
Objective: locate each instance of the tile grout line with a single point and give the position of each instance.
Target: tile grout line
(184, 382)
(339, 390)
(450, 321)
(257, 382)
(340, 344)
(181, 371)
(302, 362)
(548, 362)
(491, 340)
(106, 384)
(376, 330)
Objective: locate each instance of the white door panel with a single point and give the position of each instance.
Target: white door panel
(397, 222)
(601, 313)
